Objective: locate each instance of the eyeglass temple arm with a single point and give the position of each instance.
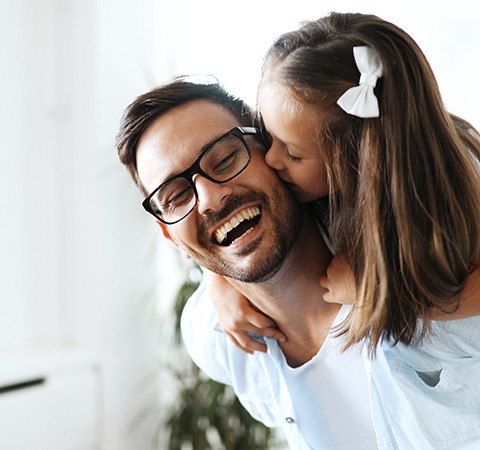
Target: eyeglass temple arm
(248, 130)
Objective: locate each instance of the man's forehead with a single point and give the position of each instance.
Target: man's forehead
(175, 139)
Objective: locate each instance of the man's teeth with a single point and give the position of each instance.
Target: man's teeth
(245, 214)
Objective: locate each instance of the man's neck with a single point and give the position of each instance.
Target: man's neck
(293, 296)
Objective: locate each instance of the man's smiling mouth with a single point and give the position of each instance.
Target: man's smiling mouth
(239, 225)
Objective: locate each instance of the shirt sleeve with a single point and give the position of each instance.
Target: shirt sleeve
(205, 342)
(254, 378)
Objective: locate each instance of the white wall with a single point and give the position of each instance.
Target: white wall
(28, 198)
(78, 257)
(82, 267)
(229, 39)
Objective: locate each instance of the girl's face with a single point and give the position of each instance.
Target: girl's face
(295, 152)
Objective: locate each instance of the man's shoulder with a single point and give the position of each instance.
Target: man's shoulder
(211, 349)
(207, 344)
(201, 331)
(198, 310)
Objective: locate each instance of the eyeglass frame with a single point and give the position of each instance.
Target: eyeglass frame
(239, 132)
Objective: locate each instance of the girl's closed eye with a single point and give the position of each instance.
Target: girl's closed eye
(291, 157)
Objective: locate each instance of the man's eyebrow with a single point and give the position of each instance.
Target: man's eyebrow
(208, 144)
(202, 149)
(213, 140)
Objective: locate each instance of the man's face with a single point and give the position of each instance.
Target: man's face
(242, 229)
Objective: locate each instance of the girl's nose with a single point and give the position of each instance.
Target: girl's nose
(273, 157)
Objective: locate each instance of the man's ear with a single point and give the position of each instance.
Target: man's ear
(167, 235)
(165, 232)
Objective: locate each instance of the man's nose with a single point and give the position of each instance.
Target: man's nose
(211, 195)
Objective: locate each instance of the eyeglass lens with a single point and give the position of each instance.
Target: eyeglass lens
(224, 160)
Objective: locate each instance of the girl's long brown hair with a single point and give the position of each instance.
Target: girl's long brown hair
(404, 187)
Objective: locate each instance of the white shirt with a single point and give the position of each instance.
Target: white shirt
(427, 396)
(322, 405)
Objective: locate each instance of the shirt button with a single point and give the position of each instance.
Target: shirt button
(289, 420)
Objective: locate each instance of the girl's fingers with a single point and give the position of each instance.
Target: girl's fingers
(246, 343)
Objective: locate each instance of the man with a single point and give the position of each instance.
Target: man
(190, 150)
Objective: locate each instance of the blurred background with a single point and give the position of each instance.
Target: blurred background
(87, 354)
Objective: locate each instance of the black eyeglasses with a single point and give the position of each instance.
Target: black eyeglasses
(220, 162)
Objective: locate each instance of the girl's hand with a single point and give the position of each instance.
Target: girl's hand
(339, 281)
(238, 317)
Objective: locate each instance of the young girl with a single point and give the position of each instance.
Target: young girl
(354, 111)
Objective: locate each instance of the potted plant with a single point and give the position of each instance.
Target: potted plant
(207, 414)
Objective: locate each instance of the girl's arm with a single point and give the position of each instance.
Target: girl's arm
(238, 317)
(339, 283)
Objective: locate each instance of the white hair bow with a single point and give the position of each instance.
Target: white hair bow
(360, 100)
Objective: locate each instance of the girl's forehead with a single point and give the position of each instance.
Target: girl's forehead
(279, 106)
(276, 96)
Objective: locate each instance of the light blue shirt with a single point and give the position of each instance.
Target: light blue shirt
(428, 396)
(322, 405)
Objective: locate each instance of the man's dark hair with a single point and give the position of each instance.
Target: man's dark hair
(140, 114)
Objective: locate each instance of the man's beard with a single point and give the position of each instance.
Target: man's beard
(287, 220)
